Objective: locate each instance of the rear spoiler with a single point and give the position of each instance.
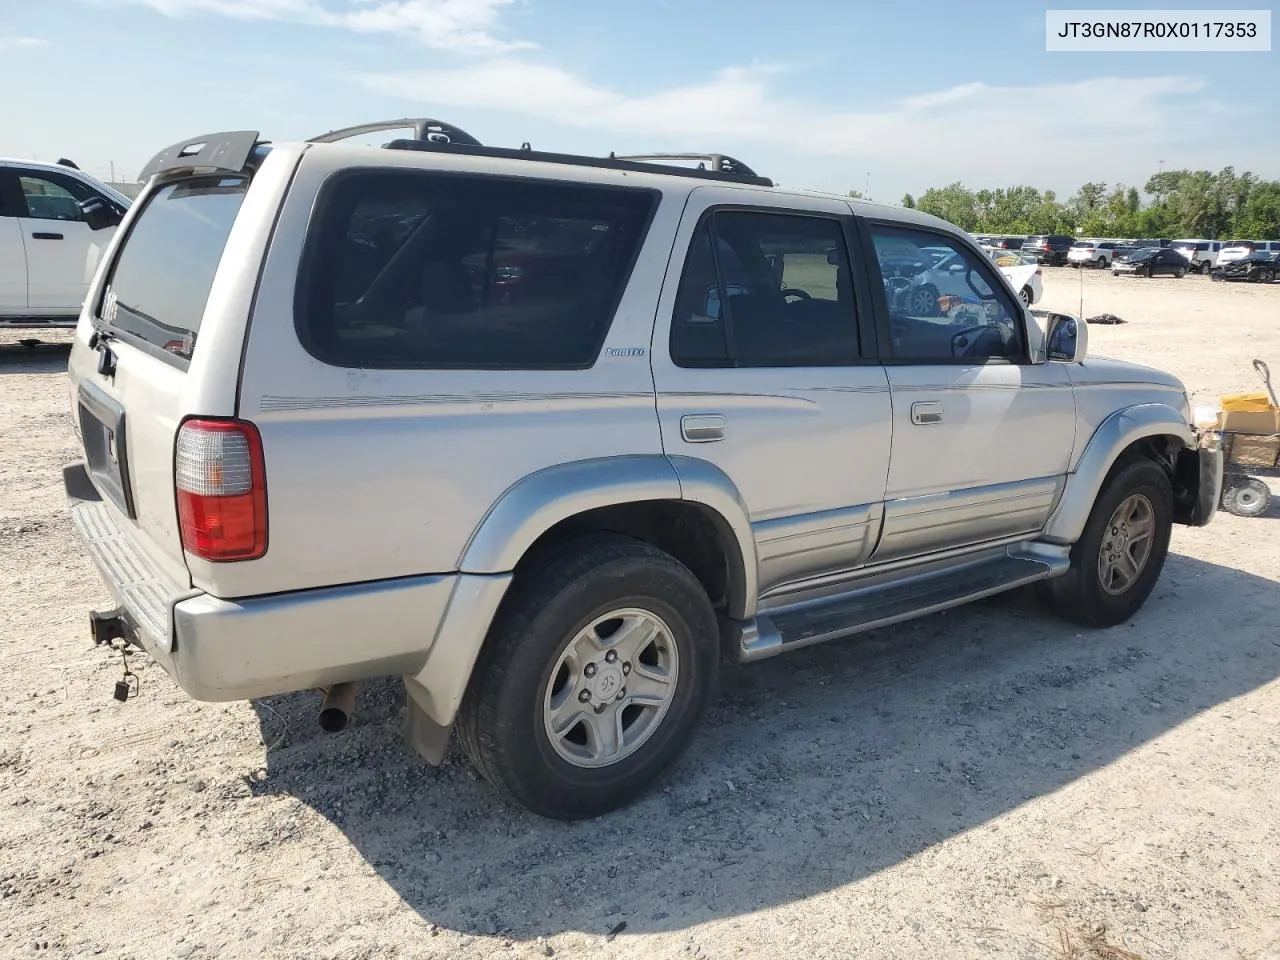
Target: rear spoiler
(226, 152)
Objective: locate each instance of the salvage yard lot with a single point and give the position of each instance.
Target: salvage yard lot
(984, 783)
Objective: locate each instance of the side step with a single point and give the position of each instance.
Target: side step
(870, 607)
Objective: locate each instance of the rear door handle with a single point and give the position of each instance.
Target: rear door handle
(46, 236)
(702, 428)
(926, 412)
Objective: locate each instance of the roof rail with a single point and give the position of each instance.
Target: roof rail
(720, 162)
(733, 172)
(424, 128)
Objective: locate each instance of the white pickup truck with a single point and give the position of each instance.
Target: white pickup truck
(55, 224)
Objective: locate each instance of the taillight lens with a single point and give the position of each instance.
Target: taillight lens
(221, 483)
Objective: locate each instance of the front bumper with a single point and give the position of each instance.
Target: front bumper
(219, 649)
(1199, 475)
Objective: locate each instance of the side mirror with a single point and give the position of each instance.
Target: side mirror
(833, 257)
(99, 214)
(1066, 339)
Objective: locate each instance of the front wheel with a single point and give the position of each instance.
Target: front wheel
(1102, 263)
(1180, 272)
(1025, 296)
(1205, 268)
(594, 678)
(1266, 276)
(1118, 558)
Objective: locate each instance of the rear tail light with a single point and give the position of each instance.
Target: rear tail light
(222, 490)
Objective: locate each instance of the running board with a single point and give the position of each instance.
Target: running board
(788, 628)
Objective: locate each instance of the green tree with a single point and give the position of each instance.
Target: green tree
(953, 202)
(908, 201)
(856, 195)
(1260, 217)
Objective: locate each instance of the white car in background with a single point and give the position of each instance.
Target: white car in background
(1094, 253)
(1201, 255)
(1022, 271)
(55, 225)
(1239, 249)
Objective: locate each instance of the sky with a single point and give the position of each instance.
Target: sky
(825, 94)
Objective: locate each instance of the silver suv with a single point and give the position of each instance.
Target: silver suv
(551, 436)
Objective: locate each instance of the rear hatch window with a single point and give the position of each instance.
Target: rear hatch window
(159, 285)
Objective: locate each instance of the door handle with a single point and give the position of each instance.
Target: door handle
(926, 412)
(702, 428)
(46, 236)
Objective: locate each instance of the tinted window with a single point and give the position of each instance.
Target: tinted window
(50, 196)
(765, 290)
(429, 270)
(160, 283)
(943, 307)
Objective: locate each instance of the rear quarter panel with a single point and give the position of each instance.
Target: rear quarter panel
(374, 474)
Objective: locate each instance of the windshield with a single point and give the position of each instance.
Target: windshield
(160, 283)
(1144, 254)
(1083, 243)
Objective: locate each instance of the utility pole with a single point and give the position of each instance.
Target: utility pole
(867, 195)
(113, 171)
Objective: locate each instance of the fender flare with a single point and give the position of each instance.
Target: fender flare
(533, 505)
(1114, 435)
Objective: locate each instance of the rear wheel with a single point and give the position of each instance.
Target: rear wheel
(594, 678)
(1180, 272)
(1205, 268)
(1102, 263)
(1266, 275)
(1118, 558)
(1246, 497)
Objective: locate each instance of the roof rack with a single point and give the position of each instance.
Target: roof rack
(424, 128)
(720, 162)
(238, 150)
(730, 172)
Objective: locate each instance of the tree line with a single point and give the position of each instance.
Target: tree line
(1174, 203)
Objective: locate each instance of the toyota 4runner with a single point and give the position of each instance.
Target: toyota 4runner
(550, 436)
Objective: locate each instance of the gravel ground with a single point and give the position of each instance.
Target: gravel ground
(984, 783)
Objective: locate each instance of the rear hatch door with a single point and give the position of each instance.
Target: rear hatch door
(140, 363)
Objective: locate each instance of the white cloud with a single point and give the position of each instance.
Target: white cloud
(8, 42)
(459, 25)
(1054, 135)
(741, 104)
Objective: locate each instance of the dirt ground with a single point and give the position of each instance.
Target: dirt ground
(985, 783)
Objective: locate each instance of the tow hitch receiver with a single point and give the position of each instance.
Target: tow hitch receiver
(110, 628)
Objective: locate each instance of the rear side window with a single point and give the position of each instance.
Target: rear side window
(765, 290)
(160, 282)
(427, 270)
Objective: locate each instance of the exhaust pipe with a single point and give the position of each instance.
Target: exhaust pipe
(339, 704)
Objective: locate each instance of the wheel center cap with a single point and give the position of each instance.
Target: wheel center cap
(607, 682)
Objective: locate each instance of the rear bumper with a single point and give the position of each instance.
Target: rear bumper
(218, 649)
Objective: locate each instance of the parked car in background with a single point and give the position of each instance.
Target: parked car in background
(1022, 271)
(1151, 262)
(1096, 253)
(1052, 249)
(1260, 267)
(1239, 249)
(1201, 255)
(1008, 243)
(55, 224)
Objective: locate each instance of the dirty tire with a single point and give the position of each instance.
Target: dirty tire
(556, 595)
(1266, 276)
(1205, 267)
(1246, 497)
(1078, 595)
